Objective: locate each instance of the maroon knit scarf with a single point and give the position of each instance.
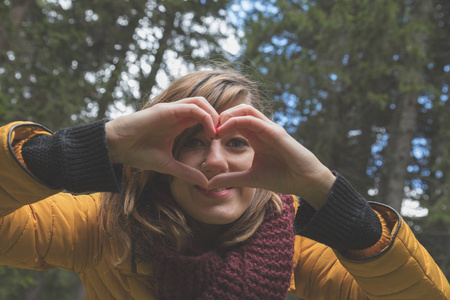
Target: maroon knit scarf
(259, 268)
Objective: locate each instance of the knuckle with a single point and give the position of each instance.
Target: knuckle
(200, 98)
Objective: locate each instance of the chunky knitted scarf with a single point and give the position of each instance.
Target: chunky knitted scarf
(259, 268)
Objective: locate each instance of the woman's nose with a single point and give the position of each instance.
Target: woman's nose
(215, 161)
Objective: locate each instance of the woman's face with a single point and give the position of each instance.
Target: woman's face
(230, 153)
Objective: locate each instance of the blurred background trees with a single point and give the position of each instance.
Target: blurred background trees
(363, 84)
(64, 62)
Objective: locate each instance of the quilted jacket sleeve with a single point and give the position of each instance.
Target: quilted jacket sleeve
(403, 270)
(41, 227)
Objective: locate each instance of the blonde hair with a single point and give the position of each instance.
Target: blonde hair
(144, 211)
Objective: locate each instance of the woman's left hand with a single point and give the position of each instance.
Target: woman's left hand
(280, 163)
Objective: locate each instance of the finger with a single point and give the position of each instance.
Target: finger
(204, 104)
(242, 110)
(231, 179)
(248, 124)
(261, 135)
(187, 173)
(193, 112)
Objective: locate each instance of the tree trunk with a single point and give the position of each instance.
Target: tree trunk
(147, 83)
(18, 13)
(397, 153)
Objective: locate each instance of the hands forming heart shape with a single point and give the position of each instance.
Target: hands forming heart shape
(145, 140)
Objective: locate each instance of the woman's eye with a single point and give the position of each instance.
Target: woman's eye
(238, 143)
(193, 143)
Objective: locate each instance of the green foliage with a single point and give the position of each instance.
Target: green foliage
(28, 284)
(74, 62)
(14, 282)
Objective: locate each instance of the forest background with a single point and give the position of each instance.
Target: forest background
(363, 84)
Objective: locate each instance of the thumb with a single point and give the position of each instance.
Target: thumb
(232, 179)
(187, 173)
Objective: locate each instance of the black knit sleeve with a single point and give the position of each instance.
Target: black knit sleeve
(344, 222)
(75, 159)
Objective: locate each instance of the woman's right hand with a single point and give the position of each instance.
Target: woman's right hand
(144, 139)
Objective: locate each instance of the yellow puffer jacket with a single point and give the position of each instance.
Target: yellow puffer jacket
(42, 228)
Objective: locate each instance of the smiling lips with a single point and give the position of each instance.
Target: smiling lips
(215, 193)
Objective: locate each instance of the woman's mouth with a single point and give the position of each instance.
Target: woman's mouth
(215, 193)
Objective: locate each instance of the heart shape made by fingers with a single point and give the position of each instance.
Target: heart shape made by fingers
(259, 131)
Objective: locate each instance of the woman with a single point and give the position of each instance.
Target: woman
(196, 204)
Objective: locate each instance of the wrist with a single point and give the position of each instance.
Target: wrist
(318, 187)
(73, 158)
(345, 221)
(111, 143)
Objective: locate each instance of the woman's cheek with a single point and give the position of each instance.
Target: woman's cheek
(247, 160)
